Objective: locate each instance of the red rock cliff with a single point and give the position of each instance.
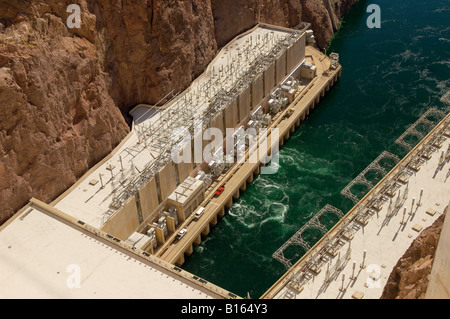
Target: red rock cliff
(65, 93)
(410, 277)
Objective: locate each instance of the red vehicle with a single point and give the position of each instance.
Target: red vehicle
(219, 191)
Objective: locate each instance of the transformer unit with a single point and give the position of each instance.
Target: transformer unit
(141, 241)
(292, 82)
(216, 164)
(308, 71)
(239, 150)
(288, 92)
(274, 106)
(229, 160)
(161, 223)
(275, 94)
(334, 60)
(151, 234)
(200, 175)
(310, 39)
(172, 213)
(237, 136)
(206, 178)
(218, 155)
(257, 114)
(252, 134)
(267, 120)
(254, 124)
(216, 168)
(284, 101)
(239, 133)
(279, 97)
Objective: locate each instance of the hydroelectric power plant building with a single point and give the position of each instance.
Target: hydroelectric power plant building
(125, 226)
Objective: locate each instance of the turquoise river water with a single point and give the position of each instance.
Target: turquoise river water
(390, 76)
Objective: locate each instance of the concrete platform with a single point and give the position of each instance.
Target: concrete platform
(93, 203)
(239, 174)
(41, 255)
(383, 239)
(88, 224)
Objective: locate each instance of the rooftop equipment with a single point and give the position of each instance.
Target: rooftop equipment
(206, 178)
(289, 91)
(284, 102)
(151, 234)
(161, 223)
(274, 106)
(308, 71)
(229, 160)
(267, 120)
(216, 165)
(257, 114)
(334, 60)
(216, 168)
(254, 124)
(140, 241)
(310, 39)
(172, 213)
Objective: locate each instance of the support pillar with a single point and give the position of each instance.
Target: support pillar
(205, 230)
(160, 235)
(198, 240)
(189, 250)
(213, 221)
(221, 212)
(180, 261)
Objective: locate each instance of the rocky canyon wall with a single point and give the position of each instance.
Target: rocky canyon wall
(410, 277)
(65, 93)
